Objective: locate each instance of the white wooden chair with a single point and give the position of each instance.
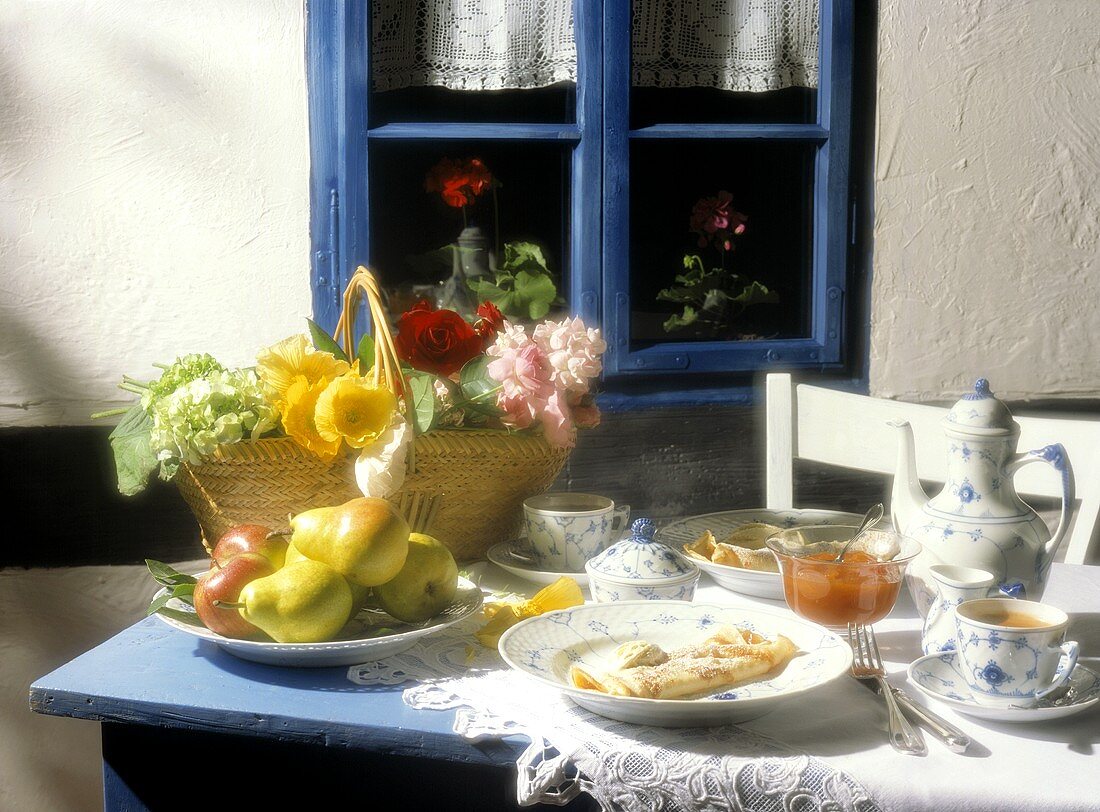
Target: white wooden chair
(852, 431)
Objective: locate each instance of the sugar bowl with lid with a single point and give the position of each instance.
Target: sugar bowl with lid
(640, 568)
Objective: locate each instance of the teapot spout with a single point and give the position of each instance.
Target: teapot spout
(907, 496)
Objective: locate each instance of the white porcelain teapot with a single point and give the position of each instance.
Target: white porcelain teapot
(978, 520)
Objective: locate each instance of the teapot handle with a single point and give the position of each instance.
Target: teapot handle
(1055, 456)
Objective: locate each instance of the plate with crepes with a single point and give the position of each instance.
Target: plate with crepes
(371, 635)
(734, 554)
(676, 664)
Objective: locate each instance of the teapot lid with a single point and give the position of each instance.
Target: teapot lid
(639, 557)
(979, 412)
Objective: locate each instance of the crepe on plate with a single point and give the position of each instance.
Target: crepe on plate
(743, 548)
(731, 655)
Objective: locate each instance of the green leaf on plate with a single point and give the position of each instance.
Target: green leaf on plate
(190, 618)
(324, 342)
(183, 592)
(166, 575)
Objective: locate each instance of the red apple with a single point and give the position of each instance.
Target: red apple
(250, 538)
(225, 584)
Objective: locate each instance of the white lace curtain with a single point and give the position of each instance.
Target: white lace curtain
(744, 45)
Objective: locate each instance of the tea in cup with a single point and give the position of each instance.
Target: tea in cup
(564, 530)
(1012, 653)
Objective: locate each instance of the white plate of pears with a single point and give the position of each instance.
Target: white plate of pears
(351, 585)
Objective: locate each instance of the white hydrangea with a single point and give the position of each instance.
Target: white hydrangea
(218, 409)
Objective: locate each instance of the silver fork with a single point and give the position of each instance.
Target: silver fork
(867, 664)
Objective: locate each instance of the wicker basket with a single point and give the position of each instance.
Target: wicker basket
(465, 487)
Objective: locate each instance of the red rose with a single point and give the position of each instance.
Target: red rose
(490, 322)
(436, 341)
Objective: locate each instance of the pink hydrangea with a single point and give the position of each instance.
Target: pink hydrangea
(510, 337)
(557, 421)
(573, 351)
(524, 376)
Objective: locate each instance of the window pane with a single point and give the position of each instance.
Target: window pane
(413, 229)
(474, 61)
(546, 105)
(724, 61)
(732, 220)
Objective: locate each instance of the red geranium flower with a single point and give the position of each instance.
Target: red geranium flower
(490, 321)
(436, 341)
(459, 182)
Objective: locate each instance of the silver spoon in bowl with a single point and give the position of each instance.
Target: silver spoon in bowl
(870, 519)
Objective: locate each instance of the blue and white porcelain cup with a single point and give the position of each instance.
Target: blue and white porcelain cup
(1012, 653)
(564, 530)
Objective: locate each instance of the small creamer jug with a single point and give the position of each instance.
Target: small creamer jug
(953, 586)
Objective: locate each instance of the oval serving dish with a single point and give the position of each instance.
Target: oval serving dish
(754, 583)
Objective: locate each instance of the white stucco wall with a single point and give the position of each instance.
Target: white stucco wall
(987, 197)
(154, 195)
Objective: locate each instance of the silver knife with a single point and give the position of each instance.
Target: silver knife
(955, 740)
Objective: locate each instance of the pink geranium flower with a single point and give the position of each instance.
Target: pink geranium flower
(714, 218)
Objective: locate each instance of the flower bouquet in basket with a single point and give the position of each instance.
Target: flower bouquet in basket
(454, 423)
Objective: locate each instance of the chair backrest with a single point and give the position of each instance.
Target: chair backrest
(853, 431)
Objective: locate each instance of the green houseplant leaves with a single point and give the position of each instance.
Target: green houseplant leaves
(523, 288)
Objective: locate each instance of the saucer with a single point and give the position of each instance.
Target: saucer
(937, 676)
(508, 555)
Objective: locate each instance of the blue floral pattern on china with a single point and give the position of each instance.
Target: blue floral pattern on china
(546, 646)
(939, 677)
(979, 500)
(639, 557)
(1007, 666)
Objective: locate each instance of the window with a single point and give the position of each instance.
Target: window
(605, 174)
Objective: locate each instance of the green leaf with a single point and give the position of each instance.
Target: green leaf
(478, 388)
(432, 266)
(324, 342)
(524, 256)
(190, 618)
(537, 292)
(680, 295)
(183, 592)
(131, 443)
(509, 302)
(755, 293)
(716, 302)
(165, 575)
(679, 322)
(424, 402)
(365, 354)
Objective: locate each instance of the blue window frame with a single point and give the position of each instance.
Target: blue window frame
(344, 142)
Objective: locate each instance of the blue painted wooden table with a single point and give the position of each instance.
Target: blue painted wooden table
(181, 715)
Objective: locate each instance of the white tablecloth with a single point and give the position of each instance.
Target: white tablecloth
(1050, 765)
(842, 727)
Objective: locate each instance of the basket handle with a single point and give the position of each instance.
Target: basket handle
(387, 366)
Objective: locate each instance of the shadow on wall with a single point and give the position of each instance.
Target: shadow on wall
(47, 617)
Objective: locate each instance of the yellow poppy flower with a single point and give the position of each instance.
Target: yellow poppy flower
(280, 364)
(353, 410)
(299, 419)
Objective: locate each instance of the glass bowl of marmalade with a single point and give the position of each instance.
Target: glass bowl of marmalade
(861, 588)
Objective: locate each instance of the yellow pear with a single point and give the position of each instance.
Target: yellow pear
(304, 602)
(426, 584)
(365, 540)
(359, 594)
